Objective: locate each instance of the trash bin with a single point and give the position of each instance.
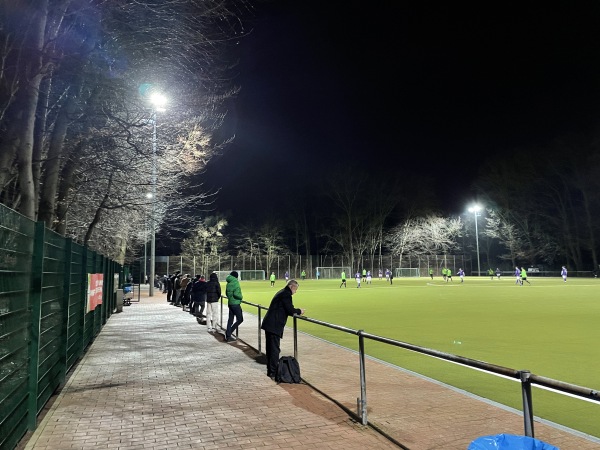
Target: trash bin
(509, 442)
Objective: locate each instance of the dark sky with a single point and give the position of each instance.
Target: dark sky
(402, 88)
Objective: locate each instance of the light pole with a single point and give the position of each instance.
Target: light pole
(475, 210)
(158, 102)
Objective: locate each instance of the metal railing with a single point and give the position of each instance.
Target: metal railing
(525, 377)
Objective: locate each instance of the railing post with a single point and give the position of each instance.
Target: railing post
(221, 312)
(295, 337)
(259, 333)
(527, 403)
(363, 378)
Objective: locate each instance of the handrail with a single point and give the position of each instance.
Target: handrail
(524, 376)
(551, 383)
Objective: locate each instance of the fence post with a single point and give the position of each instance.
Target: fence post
(527, 403)
(66, 307)
(363, 378)
(37, 272)
(83, 298)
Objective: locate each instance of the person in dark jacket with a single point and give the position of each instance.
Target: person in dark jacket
(171, 293)
(213, 295)
(274, 322)
(198, 296)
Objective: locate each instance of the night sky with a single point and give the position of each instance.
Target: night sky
(398, 88)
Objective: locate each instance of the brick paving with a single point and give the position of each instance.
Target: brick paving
(156, 379)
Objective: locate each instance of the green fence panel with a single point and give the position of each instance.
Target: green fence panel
(76, 305)
(16, 250)
(44, 326)
(51, 358)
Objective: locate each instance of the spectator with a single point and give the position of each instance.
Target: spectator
(213, 295)
(274, 322)
(198, 297)
(234, 302)
(181, 289)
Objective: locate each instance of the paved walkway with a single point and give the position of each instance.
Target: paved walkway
(155, 379)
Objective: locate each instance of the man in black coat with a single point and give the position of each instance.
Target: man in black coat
(274, 322)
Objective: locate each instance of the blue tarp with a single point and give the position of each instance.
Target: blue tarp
(509, 442)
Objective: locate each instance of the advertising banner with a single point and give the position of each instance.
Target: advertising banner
(94, 293)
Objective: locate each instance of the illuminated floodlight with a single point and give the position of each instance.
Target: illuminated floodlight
(475, 209)
(158, 100)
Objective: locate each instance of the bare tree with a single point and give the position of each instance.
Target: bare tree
(206, 241)
(78, 67)
(427, 235)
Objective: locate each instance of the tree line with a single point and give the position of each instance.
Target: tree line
(540, 207)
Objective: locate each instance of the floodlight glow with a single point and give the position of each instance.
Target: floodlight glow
(158, 100)
(475, 209)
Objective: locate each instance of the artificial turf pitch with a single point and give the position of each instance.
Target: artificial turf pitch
(549, 327)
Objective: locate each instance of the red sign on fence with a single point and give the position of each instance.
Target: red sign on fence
(94, 293)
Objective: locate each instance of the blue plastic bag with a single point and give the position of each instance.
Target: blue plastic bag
(509, 442)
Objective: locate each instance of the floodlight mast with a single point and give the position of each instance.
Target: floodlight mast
(475, 210)
(158, 101)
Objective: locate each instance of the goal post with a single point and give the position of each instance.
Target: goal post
(401, 272)
(332, 273)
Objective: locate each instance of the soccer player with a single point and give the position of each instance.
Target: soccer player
(387, 274)
(364, 275)
(369, 277)
(517, 275)
(498, 273)
(491, 273)
(431, 273)
(380, 274)
(461, 274)
(563, 273)
(357, 276)
(272, 278)
(524, 276)
(449, 275)
(343, 279)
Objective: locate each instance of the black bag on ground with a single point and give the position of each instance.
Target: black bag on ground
(288, 370)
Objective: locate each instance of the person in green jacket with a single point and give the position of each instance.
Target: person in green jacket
(343, 279)
(303, 274)
(234, 302)
(272, 278)
(431, 273)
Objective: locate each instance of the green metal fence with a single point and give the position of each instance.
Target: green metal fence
(44, 323)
